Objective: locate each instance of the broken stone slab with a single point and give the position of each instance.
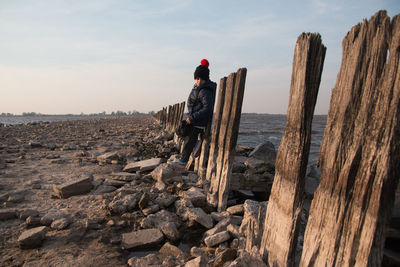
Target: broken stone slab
(252, 226)
(50, 217)
(159, 219)
(219, 216)
(150, 210)
(196, 196)
(141, 238)
(170, 250)
(7, 214)
(198, 215)
(124, 176)
(32, 238)
(170, 230)
(217, 238)
(165, 200)
(235, 210)
(77, 187)
(60, 224)
(109, 156)
(144, 165)
(200, 261)
(182, 206)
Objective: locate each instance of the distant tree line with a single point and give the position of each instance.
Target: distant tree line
(113, 113)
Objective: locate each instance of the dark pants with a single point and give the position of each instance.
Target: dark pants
(188, 147)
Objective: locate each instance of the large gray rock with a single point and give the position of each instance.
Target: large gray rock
(252, 226)
(142, 238)
(198, 215)
(264, 151)
(77, 187)
(144, 165)
(195, 195)
(32, 238)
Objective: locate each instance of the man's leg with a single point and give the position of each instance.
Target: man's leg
(188, 148)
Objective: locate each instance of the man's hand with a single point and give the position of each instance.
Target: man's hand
(188, 120)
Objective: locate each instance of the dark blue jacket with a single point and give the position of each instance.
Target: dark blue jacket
(201, 103)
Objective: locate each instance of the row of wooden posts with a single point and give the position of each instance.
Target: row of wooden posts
(359, 157)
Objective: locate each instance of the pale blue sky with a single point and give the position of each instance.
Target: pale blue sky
(59, 56)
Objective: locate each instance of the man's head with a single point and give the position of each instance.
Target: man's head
(202, 72)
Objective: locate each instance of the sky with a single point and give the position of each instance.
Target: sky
(90, 56)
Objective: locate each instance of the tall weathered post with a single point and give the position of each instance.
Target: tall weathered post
(211, 164)
(286, 200)
(360, 151)
(228, 132)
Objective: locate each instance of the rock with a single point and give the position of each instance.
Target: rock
(227, 255)
(197, 262)
(264, 151)
(252, 226)
(311, 185)
(219, 216)
(35, 144)
(198, 215)
(143, 201)
(233, 230)
(109, 156)
(50, 217)
(144, 165)
(170, 230)
(150, 260)
(246, 194)
(170, 250)
(32, 238)
(33, 221)
(115, 183)
(60, 224)
(182, 206)
(92, 224)
(216, 239)
(80, 186)
(159, 219)
(245, 259)
(104, 189)
(7, 214)
(28, 213)
(165, 200)
(130, 201)
(195, 196)
(141, 238)
(150, 210)
(117, 207)
(124, 176)
(235, 210)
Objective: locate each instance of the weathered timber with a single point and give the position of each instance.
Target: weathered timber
(211, 165)
(279, 239)
(212, 196)
(231, 139)
(202, 160)
(360, 151)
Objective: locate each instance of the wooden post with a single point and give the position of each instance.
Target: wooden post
(229, 129)
(286, 200)
(212, 196)
(360, 151)
(211, 165)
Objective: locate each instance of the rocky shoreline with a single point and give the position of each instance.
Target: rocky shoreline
(69, 198)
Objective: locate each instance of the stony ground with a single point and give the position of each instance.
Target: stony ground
(35, 157)
(124, 216)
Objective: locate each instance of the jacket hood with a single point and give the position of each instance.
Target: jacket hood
(209, 85)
